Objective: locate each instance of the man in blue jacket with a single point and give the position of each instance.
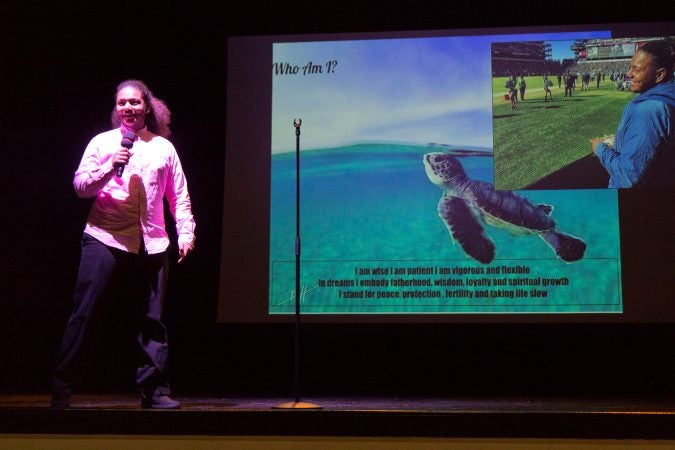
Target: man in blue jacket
(643, 151)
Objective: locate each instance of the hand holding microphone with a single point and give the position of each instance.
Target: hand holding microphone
(122, 156)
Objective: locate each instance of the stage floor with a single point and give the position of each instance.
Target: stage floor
(374, 417)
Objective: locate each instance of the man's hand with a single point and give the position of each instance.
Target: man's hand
(594, 144)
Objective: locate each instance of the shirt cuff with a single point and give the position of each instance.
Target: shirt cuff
(107, 167)
(600, 150)
(188, 239)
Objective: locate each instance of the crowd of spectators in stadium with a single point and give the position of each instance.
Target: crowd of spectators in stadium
(606, 67)
(508, 67)
(615, 71)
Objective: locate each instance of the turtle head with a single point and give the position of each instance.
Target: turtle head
(444, 170)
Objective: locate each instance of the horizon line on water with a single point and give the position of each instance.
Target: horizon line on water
(462, 149)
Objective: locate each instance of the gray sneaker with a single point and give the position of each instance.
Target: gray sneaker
(158, 399)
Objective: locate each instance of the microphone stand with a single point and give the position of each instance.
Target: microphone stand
(297, 404)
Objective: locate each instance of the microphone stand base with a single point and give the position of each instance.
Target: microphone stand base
(297, 405)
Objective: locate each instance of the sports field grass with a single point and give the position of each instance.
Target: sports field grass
(538, 138)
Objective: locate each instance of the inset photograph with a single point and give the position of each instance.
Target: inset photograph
(583, 114)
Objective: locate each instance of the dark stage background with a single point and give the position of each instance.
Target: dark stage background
(60, 66)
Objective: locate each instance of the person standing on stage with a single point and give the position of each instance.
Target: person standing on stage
(642, 153)
(129, 171)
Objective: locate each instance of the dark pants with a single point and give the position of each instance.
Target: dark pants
(104, 275)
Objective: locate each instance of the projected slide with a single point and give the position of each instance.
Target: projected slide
(399, 214)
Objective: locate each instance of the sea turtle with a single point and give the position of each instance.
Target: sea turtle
(466, 203)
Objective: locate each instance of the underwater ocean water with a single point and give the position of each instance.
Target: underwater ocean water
(368, 219)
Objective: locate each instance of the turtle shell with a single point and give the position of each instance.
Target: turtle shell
(507, 209)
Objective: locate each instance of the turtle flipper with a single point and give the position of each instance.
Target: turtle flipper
(566, 247)
(465, 229)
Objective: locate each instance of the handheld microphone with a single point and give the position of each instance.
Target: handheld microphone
(128, 138)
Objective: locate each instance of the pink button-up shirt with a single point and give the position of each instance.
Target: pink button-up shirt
(129, 208)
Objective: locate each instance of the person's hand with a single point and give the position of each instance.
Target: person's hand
(184, 249)
(121, 157)
(594, 144)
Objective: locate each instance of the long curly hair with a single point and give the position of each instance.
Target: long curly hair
(158, 117)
